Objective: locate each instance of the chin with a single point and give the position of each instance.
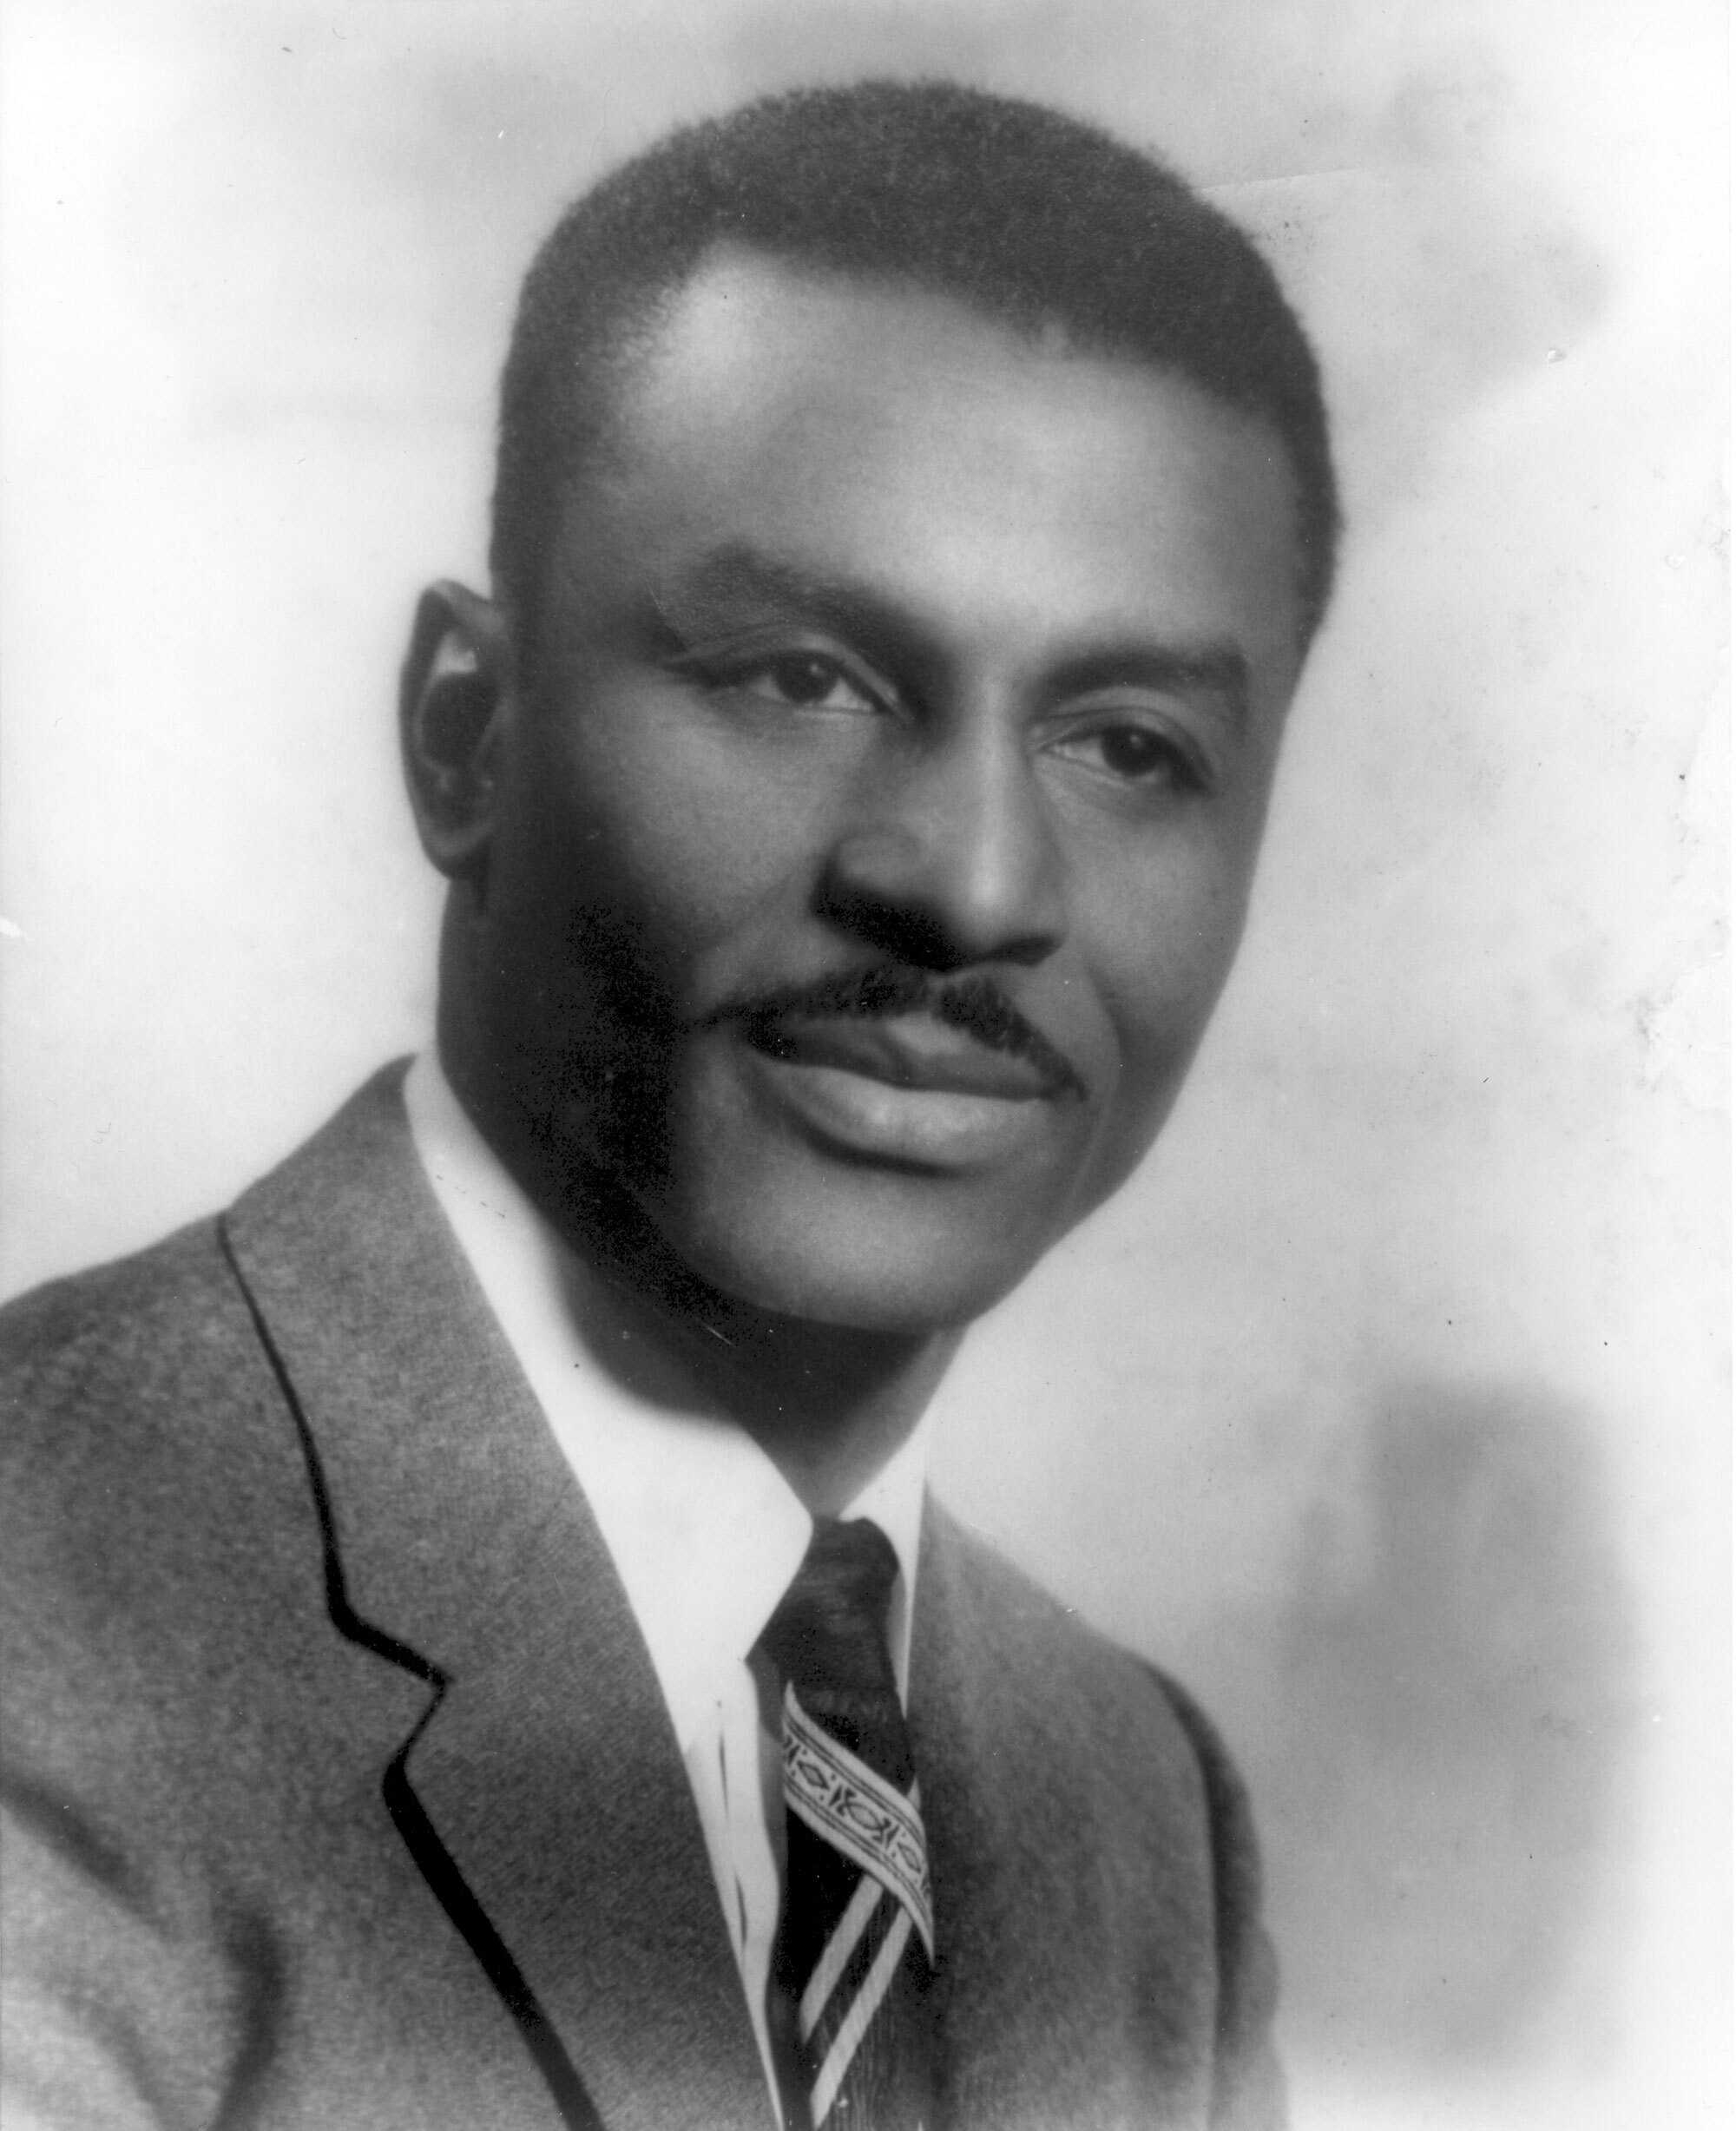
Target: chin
(854, 1299)
(900, 1278)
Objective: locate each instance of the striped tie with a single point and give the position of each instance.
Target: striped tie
(857, 1936)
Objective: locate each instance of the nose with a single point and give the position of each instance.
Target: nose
(949, 857)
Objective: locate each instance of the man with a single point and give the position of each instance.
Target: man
(479, 1648)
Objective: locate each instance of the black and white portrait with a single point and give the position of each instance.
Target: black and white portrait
(863, 1144)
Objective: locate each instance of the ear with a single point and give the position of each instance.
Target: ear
(451, 701)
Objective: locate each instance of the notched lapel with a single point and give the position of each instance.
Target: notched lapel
(541, 1792)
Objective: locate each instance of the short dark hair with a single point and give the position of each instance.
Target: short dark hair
(1029, 216)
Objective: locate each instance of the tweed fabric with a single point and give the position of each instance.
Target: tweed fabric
(338, 1787)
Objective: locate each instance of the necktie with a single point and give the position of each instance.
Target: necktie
(856, 1939)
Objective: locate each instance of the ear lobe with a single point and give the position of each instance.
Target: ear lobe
(451, 698)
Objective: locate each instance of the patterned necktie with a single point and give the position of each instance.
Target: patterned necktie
(857, 1936)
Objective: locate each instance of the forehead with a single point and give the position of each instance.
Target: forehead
(895, 434)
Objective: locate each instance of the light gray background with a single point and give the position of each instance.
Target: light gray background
(1387, 1406)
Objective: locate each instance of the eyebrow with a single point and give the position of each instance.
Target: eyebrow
(1218, 672)
(736, 573)
(736, 576)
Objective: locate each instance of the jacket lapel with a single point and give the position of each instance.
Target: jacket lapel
(542, 1792)
(1049, 1875)
(989, 1874)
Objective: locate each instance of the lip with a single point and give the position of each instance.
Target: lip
(908, 1092)
(912, 1051)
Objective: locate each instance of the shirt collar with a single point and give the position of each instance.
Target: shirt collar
(705, 1531)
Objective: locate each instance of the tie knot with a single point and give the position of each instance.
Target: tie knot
(828, 1640)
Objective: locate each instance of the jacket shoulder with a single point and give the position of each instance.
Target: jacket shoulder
(1249, 2082)
(115, 1354)
(146, 1452)
(122, 1310)
(1136, 1739)
(162, 1354)
(1088, 1679)
(163, 1658)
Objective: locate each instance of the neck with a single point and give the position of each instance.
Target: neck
(829, 1404)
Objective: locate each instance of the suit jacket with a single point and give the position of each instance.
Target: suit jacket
(339, 1790)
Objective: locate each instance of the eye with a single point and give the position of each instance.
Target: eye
(803, 680)
(1132, 751)
(1150, 757)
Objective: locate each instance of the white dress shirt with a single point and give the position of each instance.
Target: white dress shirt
(705, 1531)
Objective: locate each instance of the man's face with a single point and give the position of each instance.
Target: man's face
(872, 855)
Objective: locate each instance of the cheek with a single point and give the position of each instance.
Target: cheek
(687, 839)
(1160, 947)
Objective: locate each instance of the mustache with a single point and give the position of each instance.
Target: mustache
(975, 1004)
